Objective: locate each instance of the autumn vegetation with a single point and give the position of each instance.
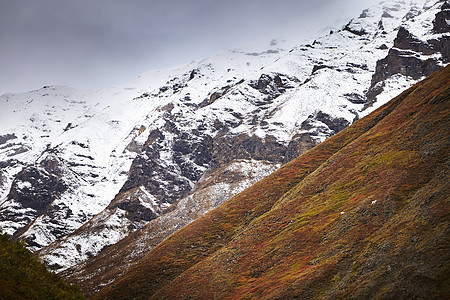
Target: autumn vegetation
(363, 215)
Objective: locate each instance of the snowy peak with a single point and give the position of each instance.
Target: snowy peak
(419, 49)
(115, 160)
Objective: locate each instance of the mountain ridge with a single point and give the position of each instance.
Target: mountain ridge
(359, 215)
(271, 87)
(153, 155)
(81, 273)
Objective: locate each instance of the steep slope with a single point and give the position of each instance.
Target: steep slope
(112, 262)
(87, 168)
(364, 214)
(341, 80)
(63, 159)
(23, 276)
(82, 144)
(270, 114)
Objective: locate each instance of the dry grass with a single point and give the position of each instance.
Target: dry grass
(365, 214)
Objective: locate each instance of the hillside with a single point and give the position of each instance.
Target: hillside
(23, 276)
(92, 180)
(219, 125)
(364, 214)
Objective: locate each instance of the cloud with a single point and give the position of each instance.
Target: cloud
(97, 43)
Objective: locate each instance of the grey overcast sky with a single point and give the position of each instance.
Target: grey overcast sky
(97, 43)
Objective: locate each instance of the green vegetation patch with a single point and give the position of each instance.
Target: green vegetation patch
(23, 276)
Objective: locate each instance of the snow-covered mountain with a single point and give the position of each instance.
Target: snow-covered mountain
(81, 170)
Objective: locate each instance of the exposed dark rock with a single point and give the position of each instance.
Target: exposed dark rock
(8, 163)
(355, 98)
(407, 64)
(272, 85)
(175, 84)
(85, 156)
(82, 145)
(162, 182)
(8, 214)
(386, 14)
(136, 211)
(217, 95)
(171, 127)
(441, 21)
(69, 126)
(214, 96)
(334, 124)
(364, 14)
(299, 144)
(133, 146)
(7, 137)
(2, 179)
(413, 12)
(405, 40)
(52, 165)
(445, 5)
(35, 188)
(228, 148)
(21, 149)
(319, 67)
(266, 83)
(356, 31)
(154, 135)
(177, 87)
(442, 45)
(193, 73)
(358, 66)
(163, 89)
(399, 63)
(405, 59)
(191, 151)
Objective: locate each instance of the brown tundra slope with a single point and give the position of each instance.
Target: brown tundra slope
(364, 214)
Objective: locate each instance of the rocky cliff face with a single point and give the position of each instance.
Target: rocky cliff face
(149, 157)
(414, 54)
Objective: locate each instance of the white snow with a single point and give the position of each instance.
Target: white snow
(89, 131)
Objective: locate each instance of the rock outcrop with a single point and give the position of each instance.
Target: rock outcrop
(411, 56)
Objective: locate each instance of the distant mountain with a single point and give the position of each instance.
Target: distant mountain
(363, 215)
(92, 180)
